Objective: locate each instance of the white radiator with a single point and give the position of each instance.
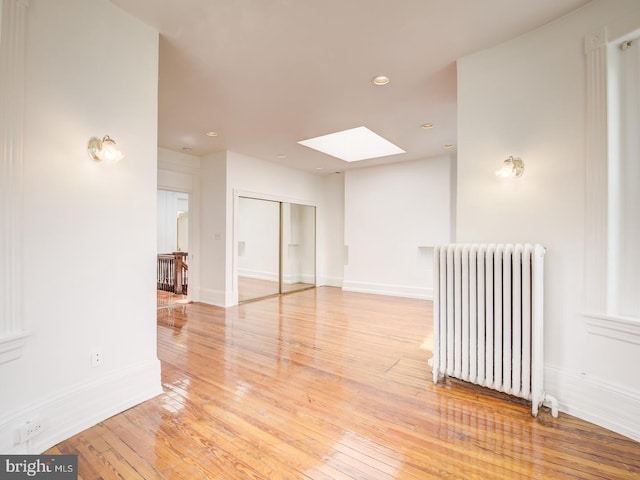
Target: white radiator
(488, 318)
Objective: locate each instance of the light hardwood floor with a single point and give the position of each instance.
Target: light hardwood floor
(325, 384)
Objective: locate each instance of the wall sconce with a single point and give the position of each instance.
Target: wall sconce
(104, 149)
(511, 167)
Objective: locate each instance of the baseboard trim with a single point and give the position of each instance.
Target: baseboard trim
(67, 412)
(259, 275)
(213, 297)
(611, 406)
(328, 281)
(391, 290)
(290, 279)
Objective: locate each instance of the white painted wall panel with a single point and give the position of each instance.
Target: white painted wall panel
(89, 227)
(394, 215)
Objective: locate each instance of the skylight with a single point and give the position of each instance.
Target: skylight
(353, 145)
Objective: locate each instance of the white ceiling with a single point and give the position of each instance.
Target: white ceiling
(265, 74)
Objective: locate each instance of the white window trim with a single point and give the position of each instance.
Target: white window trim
(597, 320)
(612, 326)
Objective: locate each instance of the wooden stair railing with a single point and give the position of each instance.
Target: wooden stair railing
(173, 272)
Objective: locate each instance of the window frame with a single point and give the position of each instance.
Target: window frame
(598, 148)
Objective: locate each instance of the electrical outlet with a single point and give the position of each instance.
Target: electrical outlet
(97, 358)
(28, 430)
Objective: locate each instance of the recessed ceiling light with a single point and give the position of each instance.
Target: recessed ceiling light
(427, 126)
(352, 145)
(319, 168)
(211, 134)
(380, 80)
(447, 145)
(281, 156)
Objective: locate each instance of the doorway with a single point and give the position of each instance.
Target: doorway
(172, 248)
(276, 247)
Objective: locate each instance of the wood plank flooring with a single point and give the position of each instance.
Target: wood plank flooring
(324, 384)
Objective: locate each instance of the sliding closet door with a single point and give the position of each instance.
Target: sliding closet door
(258, 236)
(276, 245)
(298, 247)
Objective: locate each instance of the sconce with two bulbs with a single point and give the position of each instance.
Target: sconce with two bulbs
(104, 149)
(511, 168)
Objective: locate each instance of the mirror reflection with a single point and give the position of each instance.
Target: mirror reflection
(298, 247)
(258, 230)
(276, 247)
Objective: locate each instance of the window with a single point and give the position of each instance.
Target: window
(623, 296)
(611, 256)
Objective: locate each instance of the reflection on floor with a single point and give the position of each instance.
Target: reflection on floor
(330, 385)
(253, 288)
(167, 302)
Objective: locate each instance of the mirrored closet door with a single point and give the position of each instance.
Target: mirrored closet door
(276, 247)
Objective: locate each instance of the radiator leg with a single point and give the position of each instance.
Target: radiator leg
(430, 362)
(549, 399)
(554, 404)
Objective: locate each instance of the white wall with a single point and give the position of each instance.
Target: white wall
(178, 172)
(213, 230)
(527, 98)
(250, 174)
(330, 232)
(89, 227)
(394, 215)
